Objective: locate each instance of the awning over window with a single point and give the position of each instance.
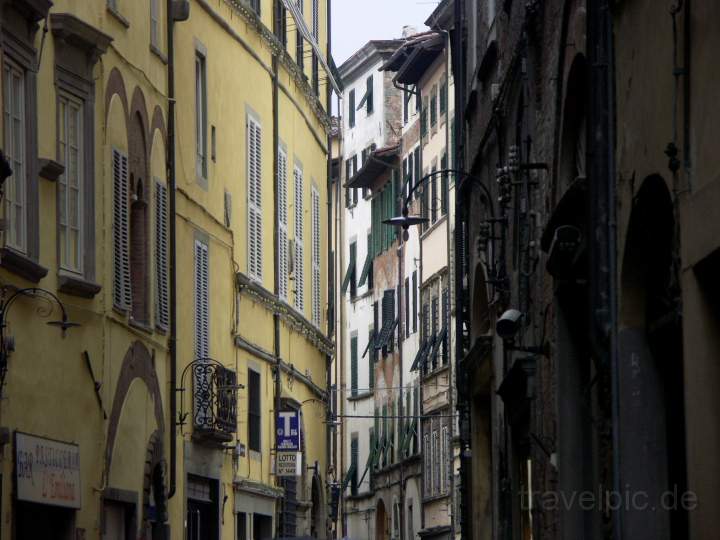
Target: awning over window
(349, 272)
(438, 345)
(377, 163)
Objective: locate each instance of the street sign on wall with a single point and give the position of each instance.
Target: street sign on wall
(47, 471)
(288, 464)
(288, 431)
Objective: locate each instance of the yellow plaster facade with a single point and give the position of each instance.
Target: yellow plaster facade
(105, 387)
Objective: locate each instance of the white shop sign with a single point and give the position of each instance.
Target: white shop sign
(47, 471)
(288, 464)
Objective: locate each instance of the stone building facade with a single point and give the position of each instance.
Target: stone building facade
(585, 312)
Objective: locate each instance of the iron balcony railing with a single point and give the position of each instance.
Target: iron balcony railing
(215, 401)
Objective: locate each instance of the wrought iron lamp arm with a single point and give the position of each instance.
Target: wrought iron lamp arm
(463, 175)
(31, 292)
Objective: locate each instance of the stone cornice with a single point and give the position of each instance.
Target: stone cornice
(289, 315)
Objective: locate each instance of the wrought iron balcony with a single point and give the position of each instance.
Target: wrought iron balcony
(214, 401)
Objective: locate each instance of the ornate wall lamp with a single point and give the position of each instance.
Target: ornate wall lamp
(10, 295)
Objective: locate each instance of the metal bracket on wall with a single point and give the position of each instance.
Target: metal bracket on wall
(96, 385)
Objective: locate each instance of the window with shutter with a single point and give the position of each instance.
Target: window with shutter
(351, 108)
(155, 23)
(201, 114)
(444, 186)
(202, 300)
(316, 298)
(254, 187)
(121, 232)
(434, 195)
(427, 470)
(415, 301)
(15, 188)
(433, 107)
(444, 459)
(417, 169)
(162, 293)
(316, 19)
(70, 190)
(299, 242)
(434, 327)
(389, 321)
(435, 462)
(446, 325)
(283, 235)
(407, 307)
(254, 411)
(353, 365)
(354, 461)
(371, 358)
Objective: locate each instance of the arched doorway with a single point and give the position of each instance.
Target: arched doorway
(381, 522)
(652, 417)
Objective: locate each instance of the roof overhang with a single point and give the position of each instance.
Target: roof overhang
(375, 165)
(414, 58)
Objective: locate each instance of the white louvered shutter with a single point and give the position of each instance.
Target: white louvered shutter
(202, 300)
(299, 248)
(254, 183)
(283, 239)
(121, 232)
(316, 19)
(316, 308)
(162, 296)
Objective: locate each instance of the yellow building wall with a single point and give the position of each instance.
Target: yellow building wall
(49, 390)
(239, 66)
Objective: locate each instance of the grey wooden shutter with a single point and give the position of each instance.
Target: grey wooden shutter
(202, 300)
(162, 296)
(316, 19)
(283, 237)
(254, 185)
(299, 242)
(316, 308)
(121, 232)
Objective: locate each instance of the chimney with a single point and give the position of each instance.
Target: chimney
(408, 30)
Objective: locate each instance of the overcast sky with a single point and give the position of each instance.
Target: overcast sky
(355, 22)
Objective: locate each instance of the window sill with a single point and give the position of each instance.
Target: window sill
(360, 397)
(439, 221)
(77, 286)
(434, 498)
(140, 325)
(118, 16)
(157, 52)
(21, 265)
(437, 371)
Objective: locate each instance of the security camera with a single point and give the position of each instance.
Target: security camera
(509, 324)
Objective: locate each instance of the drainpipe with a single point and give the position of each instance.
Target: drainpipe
(329, 428)
(401, 339)
(276, 244)
(176, 11)
(458, 59)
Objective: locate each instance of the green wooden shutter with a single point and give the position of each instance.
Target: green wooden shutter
(371, 359)
(353, 366)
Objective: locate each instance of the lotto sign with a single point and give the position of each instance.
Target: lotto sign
(289, 464)
(288, 431)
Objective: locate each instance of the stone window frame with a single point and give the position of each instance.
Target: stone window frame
(19, 27)
(78, 47)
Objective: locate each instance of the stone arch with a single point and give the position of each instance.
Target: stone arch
(116, 86)
(158, 124)
(652, 412)
(137, 364)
